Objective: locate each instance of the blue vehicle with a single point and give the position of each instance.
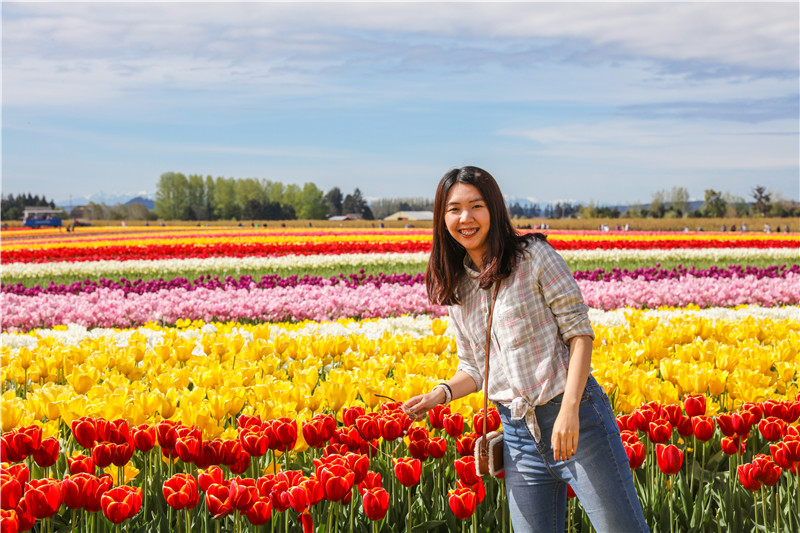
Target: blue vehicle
(37, 217)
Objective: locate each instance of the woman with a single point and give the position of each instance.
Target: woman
(558, 425)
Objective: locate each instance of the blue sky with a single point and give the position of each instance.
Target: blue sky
(597, 102)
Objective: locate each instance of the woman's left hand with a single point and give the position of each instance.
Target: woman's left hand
(565, 434)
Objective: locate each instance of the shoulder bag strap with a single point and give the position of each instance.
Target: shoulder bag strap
(484, 444)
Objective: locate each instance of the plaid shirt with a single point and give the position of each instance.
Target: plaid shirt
(539, 308)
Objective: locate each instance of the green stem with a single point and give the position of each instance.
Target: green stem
(670, 511)
(330, 518)
(764, 506)
(777, 510)
(408, 520)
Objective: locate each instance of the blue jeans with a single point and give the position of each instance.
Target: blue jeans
(598, 472)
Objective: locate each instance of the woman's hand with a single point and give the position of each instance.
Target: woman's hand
(417, 407)
(565, 433)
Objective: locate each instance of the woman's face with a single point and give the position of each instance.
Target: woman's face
(467, 220)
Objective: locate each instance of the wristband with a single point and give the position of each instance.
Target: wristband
(448, 392)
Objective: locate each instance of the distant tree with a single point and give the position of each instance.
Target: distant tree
(334, 199)
(226, 206)
(253, 210)
(172, 196)
(313, 205)
(762, 200)
(12, 207)
(657, 207)
(516, 210)
(736, 205)
(355, 203)
(208, 195)
(714, 205)
(678, 202)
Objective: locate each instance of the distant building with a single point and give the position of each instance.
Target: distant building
(411, 215)
(348, 216)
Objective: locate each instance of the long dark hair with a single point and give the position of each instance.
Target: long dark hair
(504, 242)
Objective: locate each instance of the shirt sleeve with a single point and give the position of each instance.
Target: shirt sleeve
(466, 355)
(562, 295)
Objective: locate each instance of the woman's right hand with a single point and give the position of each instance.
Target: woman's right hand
(417, 407)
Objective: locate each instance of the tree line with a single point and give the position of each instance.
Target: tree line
(194, 197)
(12, 207)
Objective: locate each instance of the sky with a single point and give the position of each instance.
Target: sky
(583, 102)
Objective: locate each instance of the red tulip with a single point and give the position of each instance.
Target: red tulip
(256, 443)
(747, 475)
(754, 409)
(280, 496)
(212, 475)
(465, 470)
(792, 443)
(767, 472)
(671, 412)
(166, 434)
(703, 428)
(307, 522)
(684, 426)
(9, 449)
(643, 415)
(669, 458)
(407, 470)
(781, 455)
(376, 503)
(368, 425)
(771, 428)
(337, 480)
(77, 488)
(492, 421)
(180, 492)
(242, 493)
(437, 447)
(121, 453)
(437, 414)
(725, 423)
(144, 437)
(478, 488)
(95, 493)
(626, 423)
(102, 454)
(660, 431)
(81, 463)
(121, 503)
(349, 415)
(10, 491)
(418, 449)
(359, 465)
(9, 523)
(47, 453)
(292, 477)
(248, 421)
(188, 448)
(25, 517)
(465, 446)
(453, 424)
(462, 502)
(265, 483)
(391, 428)
(285, 429)
(318, 431)
(629, 436)
(211, 454)
(260, 512)
(733, 445)
(298, 498)
(43, 497)
(743, 421)
(371, 481)
(635, 453)
(29, 439)
(217, 500)
(694, 404)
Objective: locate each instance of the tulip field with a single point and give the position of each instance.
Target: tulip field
(250, 379)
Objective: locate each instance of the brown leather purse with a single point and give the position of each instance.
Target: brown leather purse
(489, 447)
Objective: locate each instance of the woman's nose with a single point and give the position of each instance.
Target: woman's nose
(466, 215)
